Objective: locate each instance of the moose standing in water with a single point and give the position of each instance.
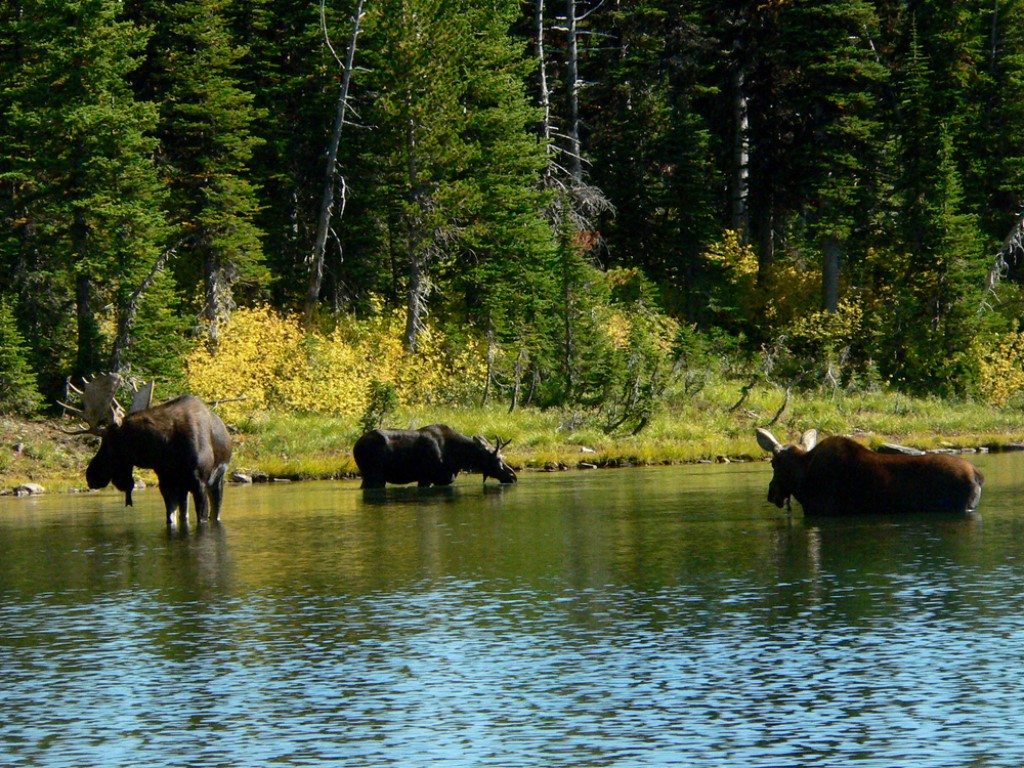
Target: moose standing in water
(432, 455)
(182, 441)
(839, 476)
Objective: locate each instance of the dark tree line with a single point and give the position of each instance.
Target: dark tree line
(164, 162)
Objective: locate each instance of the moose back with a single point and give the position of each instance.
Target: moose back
(432, 455)
(839, 476)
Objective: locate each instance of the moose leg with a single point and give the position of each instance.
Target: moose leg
(216, 488)
(170, 502)
(183, 506)
(198, 491)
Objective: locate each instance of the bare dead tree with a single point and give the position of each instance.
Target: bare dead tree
(573, 82)
(740, 150)
(332, 178)
(126, 320)
(1011, 250)
(542, 74)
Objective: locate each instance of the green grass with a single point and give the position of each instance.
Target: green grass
(706, 427)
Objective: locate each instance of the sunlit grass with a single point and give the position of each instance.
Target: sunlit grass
(710, 426)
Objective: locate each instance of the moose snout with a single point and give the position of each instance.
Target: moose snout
(776, 495)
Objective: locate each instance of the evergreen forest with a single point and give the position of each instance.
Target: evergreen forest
(558, 203)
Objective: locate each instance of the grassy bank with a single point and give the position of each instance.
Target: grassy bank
(706, 428)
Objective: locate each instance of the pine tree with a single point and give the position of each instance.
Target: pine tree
(830, 89)
(947, 284)
(80, 188)
(653, 145)
(19, 392)
(206, 131)
(995, 176)
(288, 66)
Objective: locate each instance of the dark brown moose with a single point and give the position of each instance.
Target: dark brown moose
(839, 476)
(182, 441)
(432, 455)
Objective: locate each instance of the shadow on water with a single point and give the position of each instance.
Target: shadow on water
(407, 494)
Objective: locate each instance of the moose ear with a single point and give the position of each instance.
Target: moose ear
(142, 398)
(481, 441)
(767, 440)
(809, 439)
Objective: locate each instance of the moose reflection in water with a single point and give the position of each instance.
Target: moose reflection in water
(182, 441)
(839, 476)
(432, 455)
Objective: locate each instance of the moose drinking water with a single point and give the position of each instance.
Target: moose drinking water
(432, 455)
(182, 441)
(839, 476)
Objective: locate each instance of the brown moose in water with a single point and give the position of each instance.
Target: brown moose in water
(839, 476)
(182, 441)
(432, 455)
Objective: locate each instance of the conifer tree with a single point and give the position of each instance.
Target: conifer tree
(832, 81)
(654, 145)
(206, 131)
(19, 392)
(80, 188)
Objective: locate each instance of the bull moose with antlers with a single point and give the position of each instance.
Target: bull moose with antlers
(432, 455)
(839, 476)
(182, 441)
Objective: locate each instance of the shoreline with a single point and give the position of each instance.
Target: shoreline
(37, 480)
(705, 428)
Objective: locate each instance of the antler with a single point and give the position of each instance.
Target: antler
(99, 406)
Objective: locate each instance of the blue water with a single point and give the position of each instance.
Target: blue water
(640, 617)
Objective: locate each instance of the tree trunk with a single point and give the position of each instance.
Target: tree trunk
(416, 300)
(331, 176)
(87, 356)
(87, 352)
(213, 301)
(126, 317)
(545, 93)
(766, 235)
(740, 218)
(573, 83)
(417, 286)
(831, 253)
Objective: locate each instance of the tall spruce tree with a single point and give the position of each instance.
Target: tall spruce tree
(828, 78)
(455, 170)
(19, 391)
(289, 67)
(940, 298)
(207, 140)
(81, 193)
(654, 146)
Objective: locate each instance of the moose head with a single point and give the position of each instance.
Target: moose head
(493, 463)
(103, 416)
(788, 462)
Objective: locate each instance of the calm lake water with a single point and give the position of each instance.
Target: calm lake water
(642, 617)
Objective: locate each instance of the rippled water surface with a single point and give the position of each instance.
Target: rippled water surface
(638, 617)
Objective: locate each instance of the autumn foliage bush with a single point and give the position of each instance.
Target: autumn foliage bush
(1001, 368)
(268, 359)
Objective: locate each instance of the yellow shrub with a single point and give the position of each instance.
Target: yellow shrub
(1001, 368)
(267, 358)
(737, 260)
(829, 330)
